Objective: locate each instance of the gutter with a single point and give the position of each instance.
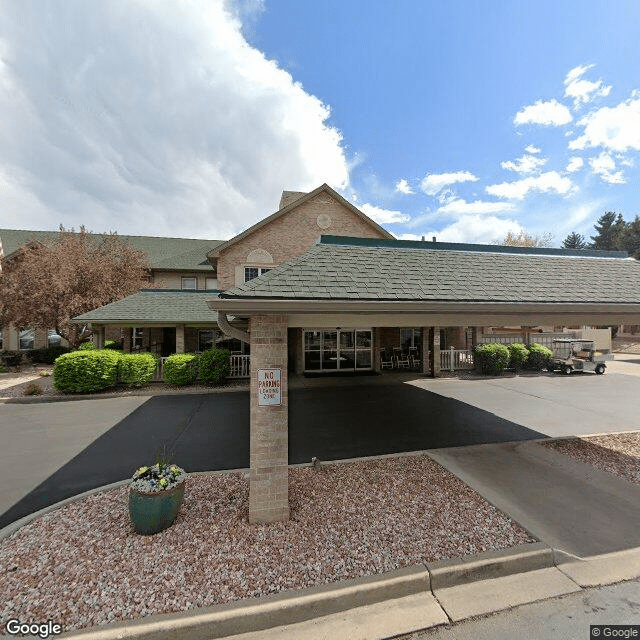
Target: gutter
(230, 331)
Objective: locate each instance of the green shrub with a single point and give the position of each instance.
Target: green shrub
(86, 371)
(112, 344)
(87, 346)
(11, 358)
(48, 355)
(180, 369)
(2, 369)
(32, 389)
(213, 366)
(539, 357)
(491, 358)
(136, 369)
(518, 355)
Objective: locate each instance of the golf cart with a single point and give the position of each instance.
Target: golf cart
(571, 355)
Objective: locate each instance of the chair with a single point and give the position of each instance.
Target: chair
(386, 360)
(402, 359)
(414, 357)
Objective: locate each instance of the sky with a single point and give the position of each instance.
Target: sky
(464, 120)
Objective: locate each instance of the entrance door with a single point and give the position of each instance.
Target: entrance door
(337, 350)
(168, 341)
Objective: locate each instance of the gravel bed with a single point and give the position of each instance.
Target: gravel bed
(83, 565)
(617, 453)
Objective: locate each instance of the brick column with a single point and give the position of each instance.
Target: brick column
(425, 350)
(375, 337)
(180, 338)
(436, 352)
(269, 453)
(99, 332)
(126, 339)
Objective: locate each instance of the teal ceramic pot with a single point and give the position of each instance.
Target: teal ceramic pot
(152, 512)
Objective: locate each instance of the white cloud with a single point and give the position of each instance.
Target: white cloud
(575, 164)
(410, 236)
(476, 229)
(549, 113)
(614, 128)
(525, 164)
(432, 183)
(531, 149)
(459, 206)
(383, 216)
(403, 186)
(551, 181)
(604, 166)
(177, 128)
(583, 91)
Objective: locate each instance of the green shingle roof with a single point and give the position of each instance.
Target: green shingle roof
(424, 272)
(156, 305)
(163, 253)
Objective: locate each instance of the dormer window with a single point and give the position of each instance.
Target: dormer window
(189, 282)
(253, 272)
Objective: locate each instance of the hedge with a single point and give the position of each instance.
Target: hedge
(213, 365)
(539, 357)
(491, 358)
(518, 355)
(86, 371)
(180, 369)
(47, 355)
(87, 346)
(136, 369)
(112, 344)
(11, 358)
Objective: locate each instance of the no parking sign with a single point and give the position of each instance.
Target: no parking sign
(269, 387)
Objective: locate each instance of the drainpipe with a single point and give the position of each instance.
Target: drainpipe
(230, 331)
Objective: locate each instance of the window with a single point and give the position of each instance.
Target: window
(189, 282)
(136, 342)
(331, 349)
(206, 339)
(253, 272)
(211, 284)
(53, 339)
(411, 338)
(26, 339)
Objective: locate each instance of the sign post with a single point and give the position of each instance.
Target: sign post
(269, 387)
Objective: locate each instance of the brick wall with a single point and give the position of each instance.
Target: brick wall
(269, 436)
(292, 234)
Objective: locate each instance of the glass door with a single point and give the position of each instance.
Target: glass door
(337, 349)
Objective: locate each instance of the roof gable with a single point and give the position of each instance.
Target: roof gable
(290, 207)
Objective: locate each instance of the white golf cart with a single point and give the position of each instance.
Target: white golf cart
(571, 355)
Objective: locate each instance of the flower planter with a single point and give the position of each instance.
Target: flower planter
(152, 512)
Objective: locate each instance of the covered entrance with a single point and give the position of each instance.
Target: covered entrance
(337, 349)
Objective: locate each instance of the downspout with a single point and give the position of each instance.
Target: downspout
(230, 331)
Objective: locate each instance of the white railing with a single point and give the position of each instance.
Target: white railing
(545, 339)
(456, 359)
(239, 366)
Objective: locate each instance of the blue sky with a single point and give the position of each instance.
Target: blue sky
(463, 120)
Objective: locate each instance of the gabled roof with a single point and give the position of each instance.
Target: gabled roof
(292, 205)
(188, 254)
(341, 268)
(153, 306)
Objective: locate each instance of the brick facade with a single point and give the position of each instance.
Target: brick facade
(269, 437)
(290, 235)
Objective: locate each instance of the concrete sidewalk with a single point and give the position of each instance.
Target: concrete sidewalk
(567, 504)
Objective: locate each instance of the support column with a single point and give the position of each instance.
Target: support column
(425, 350)
(99, 333)
(435, 365)
(376, 348)
(180, 338)
(126, 339)
(269, 437)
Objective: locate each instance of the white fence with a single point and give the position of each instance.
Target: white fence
(456, 359)
(240, 366)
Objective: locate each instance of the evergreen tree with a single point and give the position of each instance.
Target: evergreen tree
(629, 238)
(609, 229)
(574, 241)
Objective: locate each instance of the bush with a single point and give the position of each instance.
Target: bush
(491, 358)
(213, 365)
(180, 369)
(48, 355)
(539, 357)
(86, 371)
(11, 358)
(87, 346)
(136, 369)
(518, 355)
(112, 344)
(32, 389)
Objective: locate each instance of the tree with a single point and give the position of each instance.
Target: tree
(48, 282)
(609, 228)
(525, 239)
(629, 238)
(574, 241)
